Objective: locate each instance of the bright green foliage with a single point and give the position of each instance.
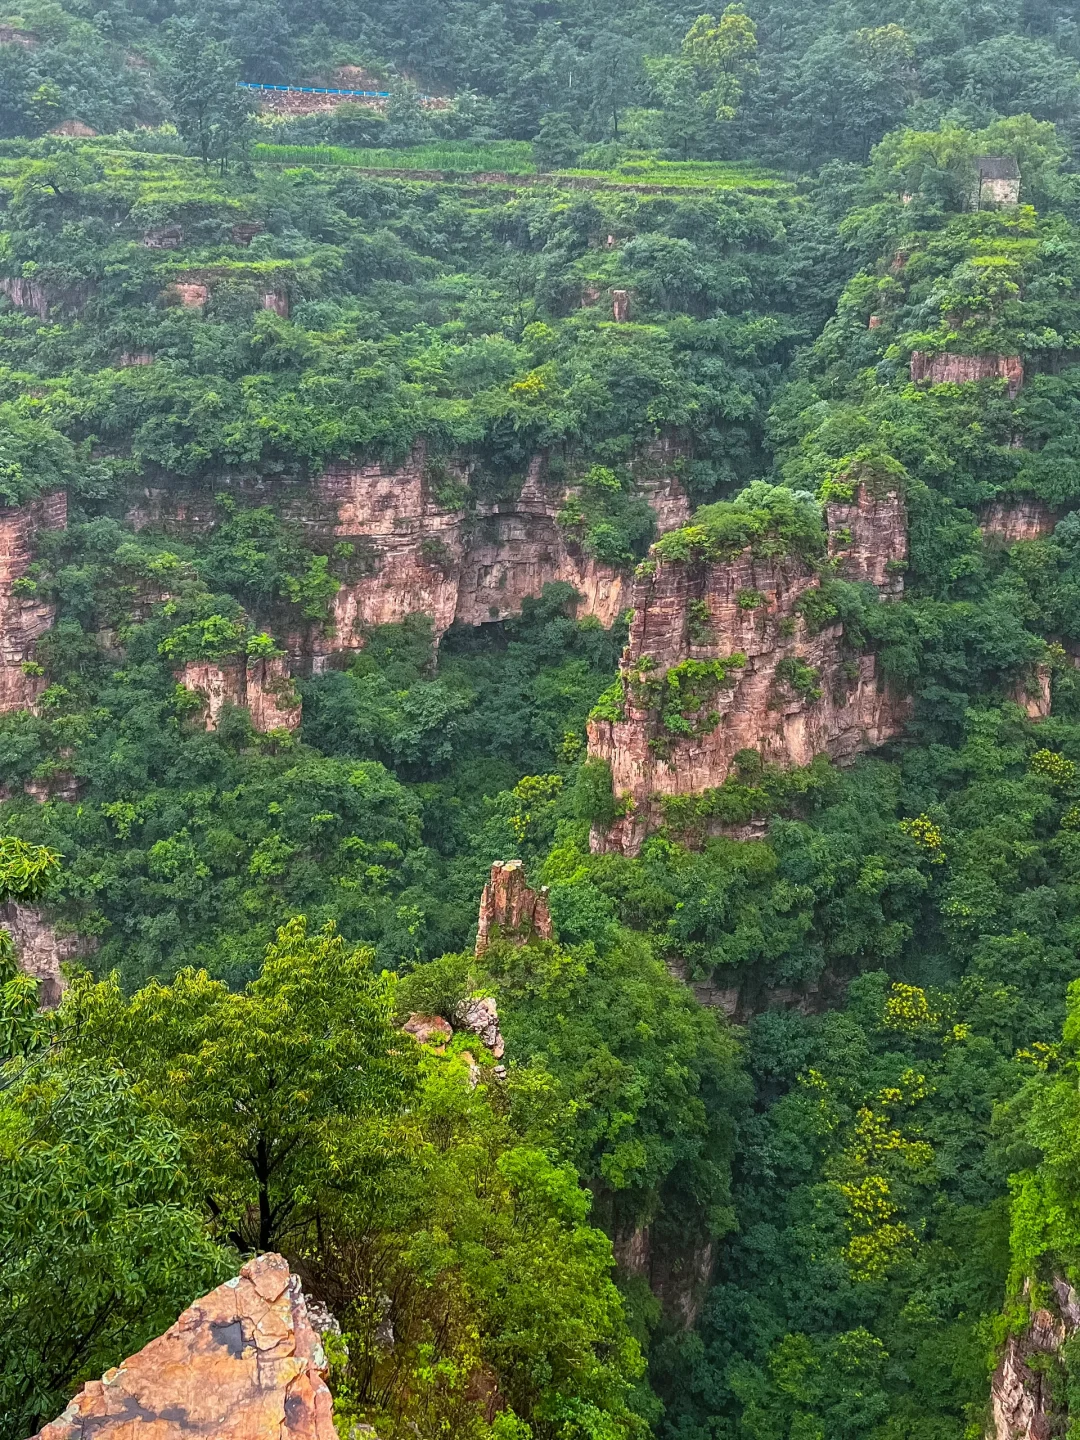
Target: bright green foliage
(269, 1084)
(418, 1200)
(101, 1231)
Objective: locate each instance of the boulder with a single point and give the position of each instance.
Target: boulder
(243, 1363)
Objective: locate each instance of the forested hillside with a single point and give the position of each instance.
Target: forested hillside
(540, 711)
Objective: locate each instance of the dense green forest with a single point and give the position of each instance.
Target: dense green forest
(813, 1049)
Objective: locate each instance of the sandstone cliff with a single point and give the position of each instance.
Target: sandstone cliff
(1015, 518)
(263, 687)
(426, 554)
(510, 910)
(243, 1363)
(40, 951)
(949, 369)
(1027, 1393)
(23, 619)
(721, 659)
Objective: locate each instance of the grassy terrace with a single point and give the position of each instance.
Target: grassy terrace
(512, 157)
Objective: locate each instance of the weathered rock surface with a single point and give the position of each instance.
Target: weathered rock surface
(1028, 1377)
(510, 910)
(23, 619)
(699, 611)
(263, 687)
(479, 1014)
(951, 369)
(39, 951)
(429, 1029)
(1020, 517)
(243, 1363)
(1033, 692)
(422, 555)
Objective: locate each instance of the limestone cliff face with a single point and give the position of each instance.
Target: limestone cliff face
(245, 1362)
(263, 687)
(23, 620)
(471, 567)
(796, 693)
(1027, 1392)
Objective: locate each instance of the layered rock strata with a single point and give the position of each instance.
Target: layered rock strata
(419, 554)
(1027, 1393)
(262, 687)
(1017, 518)
(23, 618)
(510, 910)
(949, 369)
(243, 1363)
(733, 636)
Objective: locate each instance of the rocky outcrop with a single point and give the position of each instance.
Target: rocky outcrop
(429, 1029)
(12, 35)
(165, 237)
(1033, 693)
(23, 618)
(1012, 519)
(419, 549)
(38, 298)
(479, 1014)
(948, 369)
(25, 295)
(620, 306)
(1028, 1389)
(190, 294)
(263, 687)
(243, 1363)
(39, 951)
(722, 658)
(510, 910)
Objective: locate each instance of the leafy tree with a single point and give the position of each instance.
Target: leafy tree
(211, 113)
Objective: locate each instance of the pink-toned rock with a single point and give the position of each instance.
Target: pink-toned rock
(75, 128)
(12, 35)
(243, 1363)
(422, 556)
(874, 322)
(429, 1029)
(1033, 693)
(264, 687)
(869, 537)
(23, 619)
(39, 951)
(1028, 1391)
(510, 910)
(698, 611)
(277, 301)
(950, 369)
(1020, 517)
(131, 358)
(25, 295)
(191, 294)
(620, 306)
(244, 231)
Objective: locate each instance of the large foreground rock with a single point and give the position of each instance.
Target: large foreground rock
(243, 1363)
